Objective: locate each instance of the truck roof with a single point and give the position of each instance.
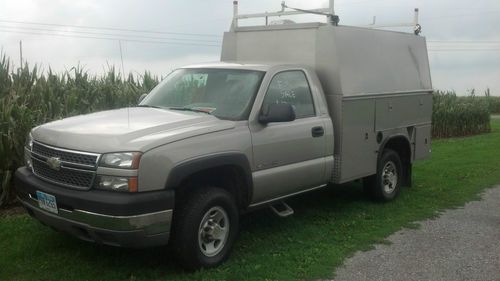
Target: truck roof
(246, 65)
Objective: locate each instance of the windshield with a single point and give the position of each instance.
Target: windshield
(224, 93)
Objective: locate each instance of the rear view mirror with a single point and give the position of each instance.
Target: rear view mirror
(277, 112)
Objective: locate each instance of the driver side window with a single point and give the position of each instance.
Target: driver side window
(291, 87)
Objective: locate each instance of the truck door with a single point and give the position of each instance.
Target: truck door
(288, 157)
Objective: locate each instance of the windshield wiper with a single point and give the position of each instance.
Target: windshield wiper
(189, 109)
(152, 106)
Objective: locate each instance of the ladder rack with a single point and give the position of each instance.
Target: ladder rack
(328, 12)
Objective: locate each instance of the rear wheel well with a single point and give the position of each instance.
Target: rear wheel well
(229, 177)
(401, 146)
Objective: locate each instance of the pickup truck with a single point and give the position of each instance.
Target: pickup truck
(289, 109)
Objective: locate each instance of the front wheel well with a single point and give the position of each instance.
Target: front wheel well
(229, 177)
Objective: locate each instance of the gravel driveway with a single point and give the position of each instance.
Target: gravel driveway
(462, 244)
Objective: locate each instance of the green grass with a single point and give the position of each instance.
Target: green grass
(328, 226)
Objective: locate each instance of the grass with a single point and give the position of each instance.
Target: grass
(328, 226)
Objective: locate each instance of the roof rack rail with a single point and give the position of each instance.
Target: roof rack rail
(328, 12)
(417, 28)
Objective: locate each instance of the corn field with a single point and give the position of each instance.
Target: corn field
(454, 116)
(493, 102)
(29, 98)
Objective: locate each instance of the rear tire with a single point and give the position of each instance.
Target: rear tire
(205, 227)
(386, 184)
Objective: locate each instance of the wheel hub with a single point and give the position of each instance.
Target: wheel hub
(389, 177)
(213, 231)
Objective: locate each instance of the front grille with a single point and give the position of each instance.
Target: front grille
(74, 178)
(75, 170)
(87, 159)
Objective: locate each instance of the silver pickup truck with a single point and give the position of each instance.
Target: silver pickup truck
(213, 141)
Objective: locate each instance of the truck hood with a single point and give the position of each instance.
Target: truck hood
(127, 129)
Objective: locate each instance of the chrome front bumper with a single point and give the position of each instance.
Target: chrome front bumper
(136, 220)
(137, 231)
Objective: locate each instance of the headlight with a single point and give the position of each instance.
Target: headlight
(113, 183)
(124, 160)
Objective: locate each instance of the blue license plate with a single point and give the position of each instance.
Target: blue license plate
(47, 202)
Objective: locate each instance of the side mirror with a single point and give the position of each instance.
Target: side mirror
(142, 97)
(277, 112)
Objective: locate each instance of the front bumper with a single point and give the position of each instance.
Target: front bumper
(119, 219)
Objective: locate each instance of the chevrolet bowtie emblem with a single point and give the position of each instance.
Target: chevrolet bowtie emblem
(54, 163)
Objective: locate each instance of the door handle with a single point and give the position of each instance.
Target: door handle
(317, 131)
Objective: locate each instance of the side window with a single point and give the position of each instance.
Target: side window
(291, 87)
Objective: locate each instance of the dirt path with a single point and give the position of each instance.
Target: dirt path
(462, 244)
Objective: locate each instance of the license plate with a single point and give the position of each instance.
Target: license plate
(47, 202)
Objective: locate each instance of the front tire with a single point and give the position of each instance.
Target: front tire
(386, 184)
(205, 227)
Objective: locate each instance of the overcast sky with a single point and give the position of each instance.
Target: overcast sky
(466, 56)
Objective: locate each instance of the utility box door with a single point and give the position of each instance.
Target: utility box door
(403, 111)
(422, 142)
(359, 157)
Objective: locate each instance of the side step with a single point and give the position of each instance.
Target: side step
(281, 209)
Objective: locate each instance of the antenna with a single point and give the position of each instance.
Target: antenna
(121, 57)
(21, 53)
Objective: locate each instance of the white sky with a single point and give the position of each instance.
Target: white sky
(442, 20)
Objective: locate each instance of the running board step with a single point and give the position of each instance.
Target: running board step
(281, 209)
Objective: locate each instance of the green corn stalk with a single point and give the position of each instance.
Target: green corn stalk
(459, 116)
(29, 97)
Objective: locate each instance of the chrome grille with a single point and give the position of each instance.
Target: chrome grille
(87, 159)
(77, 169)
(68, 177)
